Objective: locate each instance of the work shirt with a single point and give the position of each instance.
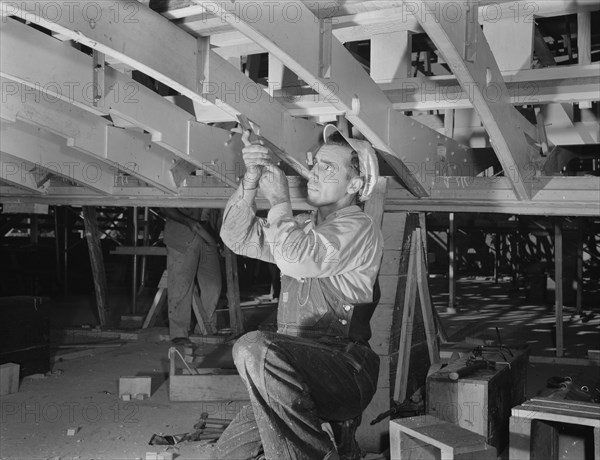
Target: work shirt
(346, 248)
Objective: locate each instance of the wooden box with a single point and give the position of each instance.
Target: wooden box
(480, 402)
(555, 429)
(194, 383)
(9, 378)
(427, 437)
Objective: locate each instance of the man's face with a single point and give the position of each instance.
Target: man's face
(331, 175)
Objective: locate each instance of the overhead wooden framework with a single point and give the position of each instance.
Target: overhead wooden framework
(72, 95)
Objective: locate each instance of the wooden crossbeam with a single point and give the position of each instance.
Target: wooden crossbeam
(161, 50)
(130, 152)
(50, 152)
(411, 148)
(47, 72)
(505, 126)
(358, 20)
(525, 87)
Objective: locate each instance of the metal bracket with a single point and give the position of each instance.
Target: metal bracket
(325, 43)
(202, 64)
(471, 31)
(98, 76)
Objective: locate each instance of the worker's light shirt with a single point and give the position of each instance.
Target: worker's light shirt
(346, 247)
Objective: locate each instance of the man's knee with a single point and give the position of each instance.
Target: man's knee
(250, 349)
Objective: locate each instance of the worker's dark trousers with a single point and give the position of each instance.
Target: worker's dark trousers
(295, 385)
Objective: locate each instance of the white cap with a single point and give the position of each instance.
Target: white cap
(369, 167)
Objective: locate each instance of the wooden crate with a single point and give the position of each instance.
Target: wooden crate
(206, 384)
(427, 437)
(480, 402)
(577, 413)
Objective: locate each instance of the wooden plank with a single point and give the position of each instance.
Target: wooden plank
(451, 264)
(159, 300)
(406, 329)
(505, 126)
(558, 280)
(92, 233)
(140, 250)
(557, 415)
(427, 309)
(350, 89)
(236, 318)
(554, 196)
(48, 152)
(202, 318)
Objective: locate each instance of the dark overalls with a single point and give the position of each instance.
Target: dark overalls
(317, 367)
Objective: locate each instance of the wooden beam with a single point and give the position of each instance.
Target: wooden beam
(351, 91)
(558, 282)
(55, 74)
(163, 51)
(526, 87)
(584, 45)
(553, 196)
(49, 151)
(130, 152)
(359, 20)
(92, 234)
(451, 264)
(541, 49)
(505, 126)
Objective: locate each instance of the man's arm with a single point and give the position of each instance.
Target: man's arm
(194, 225)
(242, 231)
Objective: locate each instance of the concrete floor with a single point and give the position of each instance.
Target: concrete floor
(82, 393)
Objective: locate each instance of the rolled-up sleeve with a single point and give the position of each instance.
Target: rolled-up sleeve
(242, 231)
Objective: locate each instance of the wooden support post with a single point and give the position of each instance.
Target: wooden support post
(558, 279)
(451, 265)
(96, 259)
(144, 274)
(584, 45)
(66, 251)
(496, 257)
(579, 298)
(236, 319)
(134, 286)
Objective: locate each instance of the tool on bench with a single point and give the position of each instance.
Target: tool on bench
(472, 366)
(255, 137)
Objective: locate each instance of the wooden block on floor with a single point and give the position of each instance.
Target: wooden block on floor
(9, 378)
(135, 385)
(429, 437)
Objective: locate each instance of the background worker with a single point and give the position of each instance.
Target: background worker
(192, 258)
(318, 366)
